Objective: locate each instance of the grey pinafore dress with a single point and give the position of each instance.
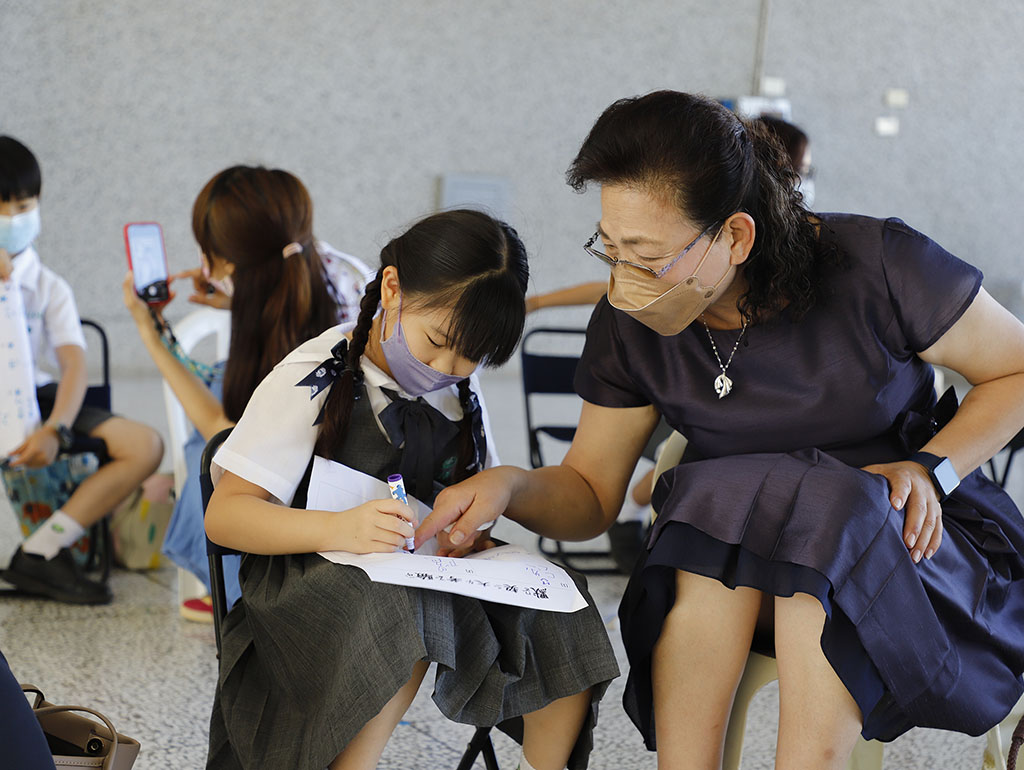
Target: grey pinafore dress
(314, 649)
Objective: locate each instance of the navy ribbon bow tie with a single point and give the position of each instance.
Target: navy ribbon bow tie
(426, 433)
(326, 373)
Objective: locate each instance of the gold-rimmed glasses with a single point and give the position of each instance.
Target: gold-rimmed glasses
(612, 261)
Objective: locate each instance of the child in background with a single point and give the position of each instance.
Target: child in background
(43, 564)
(319, 663)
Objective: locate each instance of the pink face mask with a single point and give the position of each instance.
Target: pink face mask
(224, 285)
(666, 311)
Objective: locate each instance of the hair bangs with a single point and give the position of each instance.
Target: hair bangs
(488, 317)
(20, 176)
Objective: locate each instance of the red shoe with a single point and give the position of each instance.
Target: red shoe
(198, 610)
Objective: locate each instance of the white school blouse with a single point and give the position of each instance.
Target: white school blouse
(273, 441)
(50, 313)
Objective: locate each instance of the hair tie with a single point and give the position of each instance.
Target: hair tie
(292, 248)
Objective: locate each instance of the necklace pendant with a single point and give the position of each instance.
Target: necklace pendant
(723, 385)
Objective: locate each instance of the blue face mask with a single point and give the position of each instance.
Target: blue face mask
(18, 232)
(412, 375)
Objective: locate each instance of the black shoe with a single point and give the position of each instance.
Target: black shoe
(58, 578)
(627, 543)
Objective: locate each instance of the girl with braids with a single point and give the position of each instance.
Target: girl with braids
(254, 227)
(319, 663)
(828, 510)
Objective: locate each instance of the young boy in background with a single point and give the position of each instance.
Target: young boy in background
(43, 564)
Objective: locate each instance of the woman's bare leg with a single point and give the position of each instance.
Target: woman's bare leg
(550, 733)
(363, 752)
(698, 661)
(818, 719)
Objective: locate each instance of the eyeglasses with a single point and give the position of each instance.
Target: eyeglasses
(589, 248)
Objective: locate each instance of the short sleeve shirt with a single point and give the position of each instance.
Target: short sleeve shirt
(50, 312)
(840, 375)
(273, 441)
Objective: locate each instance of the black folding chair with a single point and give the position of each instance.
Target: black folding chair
(101, 547)
(547, 374)
(481, 740)
(214, 552)
(98, 394)
(1015, 445)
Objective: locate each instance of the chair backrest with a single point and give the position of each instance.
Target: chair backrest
(98, 394)
(548, 357)
(206, 477)
(667, 455)
(190, 331)
(214, 552)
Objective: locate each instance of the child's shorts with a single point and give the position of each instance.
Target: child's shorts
(88, 419)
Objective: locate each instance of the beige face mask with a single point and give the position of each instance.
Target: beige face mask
(643, 296)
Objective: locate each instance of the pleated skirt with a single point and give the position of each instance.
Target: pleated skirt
(313, 650)
(935, 644)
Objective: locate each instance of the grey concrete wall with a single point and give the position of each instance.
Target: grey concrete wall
(132, 106)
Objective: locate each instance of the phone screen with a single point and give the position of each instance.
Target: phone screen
(146, 246)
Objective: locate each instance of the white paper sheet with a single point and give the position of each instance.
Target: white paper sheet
(507, 574)
(19, 411)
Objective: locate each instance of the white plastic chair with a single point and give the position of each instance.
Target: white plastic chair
(190, 331)
(998, 743)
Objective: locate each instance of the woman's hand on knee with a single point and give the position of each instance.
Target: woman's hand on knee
(911, 491)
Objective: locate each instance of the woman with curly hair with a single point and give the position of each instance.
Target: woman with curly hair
(828, 509)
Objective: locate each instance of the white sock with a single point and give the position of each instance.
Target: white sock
(523, 764)
(58, 531)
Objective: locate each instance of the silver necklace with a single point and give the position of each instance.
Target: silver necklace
(723, 385)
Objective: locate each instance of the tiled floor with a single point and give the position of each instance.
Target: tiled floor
(154, 673)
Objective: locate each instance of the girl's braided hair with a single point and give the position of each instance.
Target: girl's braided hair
(461, 260)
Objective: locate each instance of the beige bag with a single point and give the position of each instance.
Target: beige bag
(139, 523)
(79, 742)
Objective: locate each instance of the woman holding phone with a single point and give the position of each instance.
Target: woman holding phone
(254, 228)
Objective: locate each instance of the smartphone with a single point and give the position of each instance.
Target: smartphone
(144, 242)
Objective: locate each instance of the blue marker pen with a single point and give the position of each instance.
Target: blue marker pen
(397, 487)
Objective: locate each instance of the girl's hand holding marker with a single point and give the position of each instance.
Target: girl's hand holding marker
(397, 487)
(376, 526)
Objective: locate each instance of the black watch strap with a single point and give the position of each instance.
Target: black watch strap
(65, 436)
(940, 470)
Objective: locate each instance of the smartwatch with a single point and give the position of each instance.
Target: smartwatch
(940, 470)
(65, 437)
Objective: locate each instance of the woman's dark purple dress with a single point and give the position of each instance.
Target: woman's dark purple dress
(770, 493)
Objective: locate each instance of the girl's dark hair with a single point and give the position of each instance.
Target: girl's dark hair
(793, 140)
(247, 215)
(714, 164)
(462, 260)
(20, 176)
